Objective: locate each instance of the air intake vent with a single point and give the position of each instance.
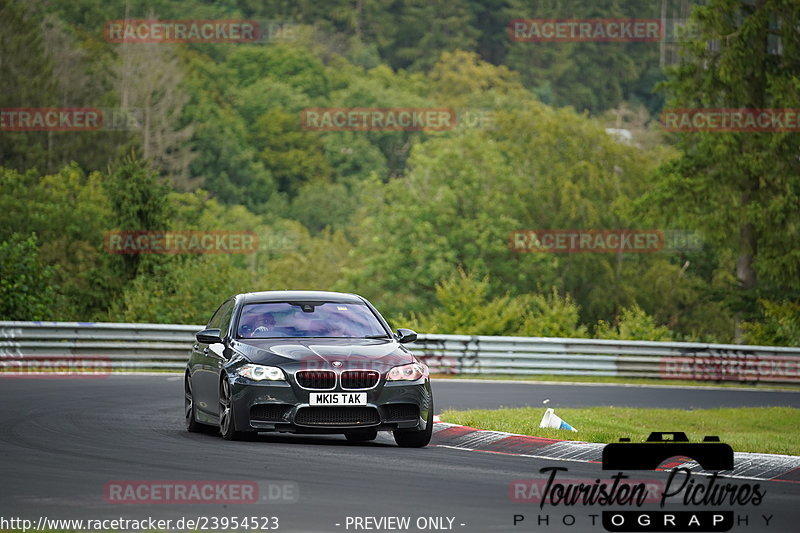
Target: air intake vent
(400, 411)
(337, 416)
(269, 412)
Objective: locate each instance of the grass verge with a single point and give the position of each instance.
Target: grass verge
(746, 429)
(624, 381)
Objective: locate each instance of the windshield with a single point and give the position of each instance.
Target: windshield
(309, 319)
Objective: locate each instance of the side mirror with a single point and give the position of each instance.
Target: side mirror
(406, 335)
(208, 336)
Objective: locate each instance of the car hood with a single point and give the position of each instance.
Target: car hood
(375, 354)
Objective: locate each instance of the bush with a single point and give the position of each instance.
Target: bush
(464, 309)
(633, 324)
(553, 316)
(779, 325)
(25, 290)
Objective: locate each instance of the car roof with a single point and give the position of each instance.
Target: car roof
(300, 296)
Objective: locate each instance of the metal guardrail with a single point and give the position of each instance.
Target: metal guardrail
(166, 347)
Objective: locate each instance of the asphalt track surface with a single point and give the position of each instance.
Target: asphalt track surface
(63, 440)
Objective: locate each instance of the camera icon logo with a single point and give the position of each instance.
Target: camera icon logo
(711, 454)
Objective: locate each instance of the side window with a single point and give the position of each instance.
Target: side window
(217, 320)
(225, 319)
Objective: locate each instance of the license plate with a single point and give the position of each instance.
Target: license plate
(338, 398)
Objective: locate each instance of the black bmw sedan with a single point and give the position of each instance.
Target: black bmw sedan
(306, 362)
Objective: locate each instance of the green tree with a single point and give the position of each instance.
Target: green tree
(45, 64)
(739, 187)
(562, 73)
(26, 290)
(22, 45)
(291, 155)
(226, 164)
(180, 291)
(428, 27)
(295, 66)
(382, 88)
(451, 210)
(323, 205)
(492, 23)
(313, 262)
(463, 195)
(69, 212)
(461, 78)
(139, 202)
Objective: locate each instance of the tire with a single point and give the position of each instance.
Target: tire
(362, 435)
(416, 439)
(192, 425)
(226, 419)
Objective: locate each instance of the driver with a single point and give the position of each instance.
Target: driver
(266, 322)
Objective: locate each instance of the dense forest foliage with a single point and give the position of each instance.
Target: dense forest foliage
(416, 221)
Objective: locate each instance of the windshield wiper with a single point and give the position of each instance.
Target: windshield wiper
(383, 336)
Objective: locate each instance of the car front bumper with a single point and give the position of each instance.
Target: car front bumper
(283, 406)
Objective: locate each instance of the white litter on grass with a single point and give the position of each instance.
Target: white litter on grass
(552, 420)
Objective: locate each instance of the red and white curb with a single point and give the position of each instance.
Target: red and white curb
(761, 466)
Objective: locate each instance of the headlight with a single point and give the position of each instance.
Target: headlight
(411, 372)
(261, 372)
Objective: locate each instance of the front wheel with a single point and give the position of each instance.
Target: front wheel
(416, 439)
(226, 424)
(192, 425)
